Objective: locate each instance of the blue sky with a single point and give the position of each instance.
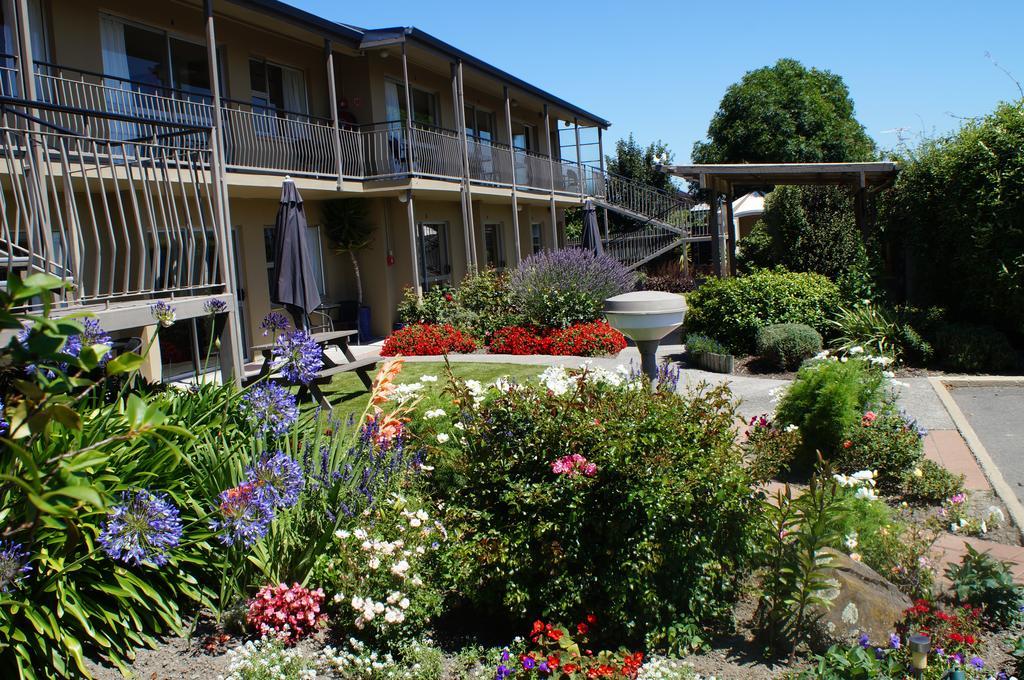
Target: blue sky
(659, 69)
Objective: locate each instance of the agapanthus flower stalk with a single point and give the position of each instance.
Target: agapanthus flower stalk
(270, 407)
(145, 527)
(14, 565)
(298, 357)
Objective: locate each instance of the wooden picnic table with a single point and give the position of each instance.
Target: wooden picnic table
(340, 340)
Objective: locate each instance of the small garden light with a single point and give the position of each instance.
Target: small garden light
(920, 645)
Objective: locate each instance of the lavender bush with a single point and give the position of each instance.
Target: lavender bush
(562, 287)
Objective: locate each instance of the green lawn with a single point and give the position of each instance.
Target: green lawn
(347, 395)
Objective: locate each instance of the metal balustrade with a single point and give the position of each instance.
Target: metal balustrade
(118, 220)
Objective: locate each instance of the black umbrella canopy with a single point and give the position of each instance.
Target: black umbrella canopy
(591, 235)
(294, 284)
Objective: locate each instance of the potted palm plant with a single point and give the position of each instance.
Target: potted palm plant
(348, 225)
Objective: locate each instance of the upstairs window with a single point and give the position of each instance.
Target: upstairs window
(424, 105)
(277, 90)
(479, 124)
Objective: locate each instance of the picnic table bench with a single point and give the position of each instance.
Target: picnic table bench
(339, 339)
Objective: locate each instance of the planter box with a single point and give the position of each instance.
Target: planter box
(716, 363)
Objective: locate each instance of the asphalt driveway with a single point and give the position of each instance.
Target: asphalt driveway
(996, 412)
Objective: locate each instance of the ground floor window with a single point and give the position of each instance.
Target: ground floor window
(536, 238)
(494, 246)
(432, 248)
(315, 252)
(186, 348)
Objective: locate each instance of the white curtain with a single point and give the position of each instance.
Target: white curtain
(118, 94)
(393, 114)
(294, 90)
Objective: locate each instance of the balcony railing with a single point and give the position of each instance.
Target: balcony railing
(117, 219)
(264, 139)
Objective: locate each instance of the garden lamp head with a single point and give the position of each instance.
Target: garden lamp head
(920, 645)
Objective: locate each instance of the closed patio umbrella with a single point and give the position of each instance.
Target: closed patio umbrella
(294, 283)
(591, 235)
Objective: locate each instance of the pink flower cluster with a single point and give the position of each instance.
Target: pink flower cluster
(288, 614)
(573, 465)
(868, 418)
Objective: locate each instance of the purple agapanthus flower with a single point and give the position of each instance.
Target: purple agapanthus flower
(145, 527)
(270, 407)
(215, 306)
(274, 323)
(298, 356)
(244, 515)
(278, 480)
(894, 641)
(4, 425)
(164, 313)
(92, 334)
(14, 565)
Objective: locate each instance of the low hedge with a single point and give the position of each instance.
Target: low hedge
(969, 348)
(733, 309)
(786, 345)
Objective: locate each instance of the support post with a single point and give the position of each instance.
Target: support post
(408, 110)
(551, 174)
(467, 184)
(39, 220)
(579, 158)
(332, 92)
(860, 207)
(460, 125)
(414, 256)
(515, 200)
(231, 350)
(715, 232)
(604, 179)
(730, 234)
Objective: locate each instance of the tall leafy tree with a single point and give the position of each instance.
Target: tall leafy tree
(637, 162)
(785, 113)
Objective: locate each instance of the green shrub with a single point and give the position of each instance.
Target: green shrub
(480, 305)
(561, 308)
(698, 344)
(807, 229)
(954, 215)
(828, 398)
(649, 525)
(732, 309)
(980, 580)
(770, 450)
(786, 345)
(968, 348)
(885, 443)
(929, 482)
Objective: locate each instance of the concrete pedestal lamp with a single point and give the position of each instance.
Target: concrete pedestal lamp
(646, 316)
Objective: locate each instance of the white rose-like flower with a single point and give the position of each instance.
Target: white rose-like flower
(442, 438)
(459, 426)
(435, 413)
(429, 379)
(399, 568)
(404, 603)
(357, 602)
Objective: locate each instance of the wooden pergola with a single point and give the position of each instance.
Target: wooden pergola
(722, 179)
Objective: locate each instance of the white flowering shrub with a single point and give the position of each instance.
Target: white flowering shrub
(375, 576)
(269, 659)
(662, 668)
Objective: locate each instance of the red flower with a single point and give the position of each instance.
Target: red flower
(571, 668)
(538, 628)
(427, 340)
(553, 661)
(582, 628)
(847, 444)
(591, 619)
(555, 634)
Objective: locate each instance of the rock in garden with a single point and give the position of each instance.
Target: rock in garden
(865, 603)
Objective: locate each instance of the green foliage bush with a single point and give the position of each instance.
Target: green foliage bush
(697, 344)
(657, 532)
(807, 229)
(980, 580)
(885, 443)
(969, 348)
(954, 214)
(770, 450)
(480, 305)
(929, 482)
(786, 345)
(828, 398)
(733, 309)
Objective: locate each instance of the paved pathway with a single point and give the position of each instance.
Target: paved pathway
(996, 413)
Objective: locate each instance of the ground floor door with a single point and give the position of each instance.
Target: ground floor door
(494, 246)
(433, 252)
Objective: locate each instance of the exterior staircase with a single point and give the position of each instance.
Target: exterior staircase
(666, 220)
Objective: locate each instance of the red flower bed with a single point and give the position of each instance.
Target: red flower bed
(428, 340)
(588, 340)
(583, 339)
(519, 340)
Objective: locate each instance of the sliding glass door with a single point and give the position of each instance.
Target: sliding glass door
(433, 254)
